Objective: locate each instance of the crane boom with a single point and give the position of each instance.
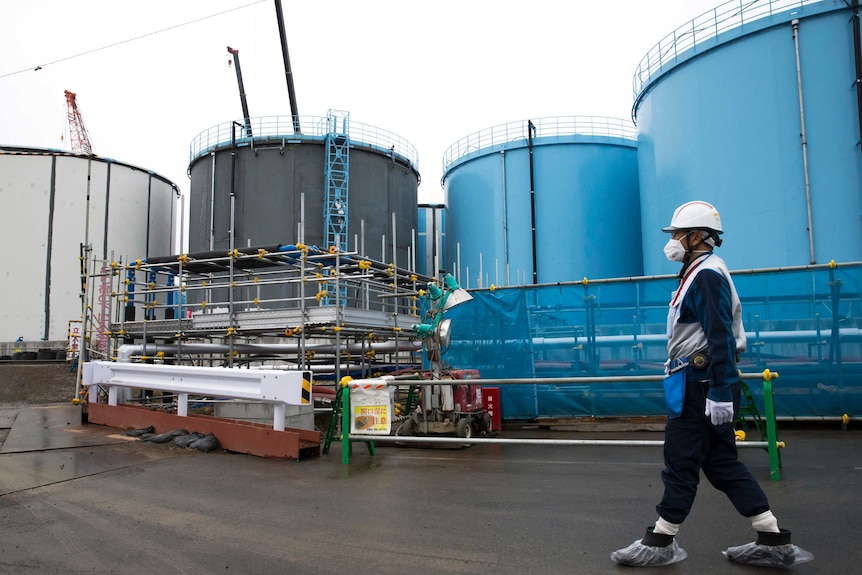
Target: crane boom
(288, 73)
(242, 98)
(77, 131)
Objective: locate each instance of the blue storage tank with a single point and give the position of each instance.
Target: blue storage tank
(755, 107)
(542, 201)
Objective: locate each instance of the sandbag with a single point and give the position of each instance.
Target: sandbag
(166, 436)
(140, 432)
(187, 440)
(206, 444)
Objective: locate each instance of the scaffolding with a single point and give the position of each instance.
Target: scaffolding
(255, 306)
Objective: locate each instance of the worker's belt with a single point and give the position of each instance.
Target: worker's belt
(699, 361)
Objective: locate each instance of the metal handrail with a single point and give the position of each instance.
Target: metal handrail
(724, 17)
(770, 442)
(544, 128)
(269, 128)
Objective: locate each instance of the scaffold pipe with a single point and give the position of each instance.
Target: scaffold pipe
(127, 351)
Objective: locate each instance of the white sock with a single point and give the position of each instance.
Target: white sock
(765, 522)
(666, 527)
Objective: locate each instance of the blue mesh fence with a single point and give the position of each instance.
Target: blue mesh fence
(801, 322)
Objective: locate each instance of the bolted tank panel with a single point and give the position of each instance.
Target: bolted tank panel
(431, 238)
(269, 176)
(560, 206)
(726, 127)
(50, 211)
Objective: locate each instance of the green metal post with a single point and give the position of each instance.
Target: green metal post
(345, 423)
(771, 427)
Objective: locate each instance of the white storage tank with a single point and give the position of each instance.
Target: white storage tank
(53, 202)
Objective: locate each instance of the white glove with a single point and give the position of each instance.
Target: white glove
(719, 412)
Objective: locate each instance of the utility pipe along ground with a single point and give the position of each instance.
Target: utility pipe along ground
(532, 441)
(400, 379)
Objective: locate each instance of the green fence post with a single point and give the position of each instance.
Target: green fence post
(345, 420)
(771, 427)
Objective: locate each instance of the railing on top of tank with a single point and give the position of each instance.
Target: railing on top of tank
(311, 127)
(544, 127)
(724, 17)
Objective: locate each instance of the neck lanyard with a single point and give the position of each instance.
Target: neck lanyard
(688, 273)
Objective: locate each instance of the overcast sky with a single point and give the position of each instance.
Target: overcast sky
(431, 72)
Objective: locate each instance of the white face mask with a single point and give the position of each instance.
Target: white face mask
(674, 251)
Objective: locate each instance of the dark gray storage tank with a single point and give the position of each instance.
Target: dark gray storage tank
(269, 170)
(545, 200)
(755, 107)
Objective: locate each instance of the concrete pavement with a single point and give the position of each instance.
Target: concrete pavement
(108, 504)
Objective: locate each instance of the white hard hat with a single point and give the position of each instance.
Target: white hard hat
(695, 216)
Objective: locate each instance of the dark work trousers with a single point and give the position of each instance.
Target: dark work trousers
(692, 443)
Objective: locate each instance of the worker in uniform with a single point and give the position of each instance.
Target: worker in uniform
(702, 391)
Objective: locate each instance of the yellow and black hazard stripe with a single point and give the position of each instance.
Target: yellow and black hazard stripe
(306, 387)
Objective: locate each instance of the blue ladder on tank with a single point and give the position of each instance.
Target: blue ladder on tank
(335, 205)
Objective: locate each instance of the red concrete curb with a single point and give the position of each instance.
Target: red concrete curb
(240, 436)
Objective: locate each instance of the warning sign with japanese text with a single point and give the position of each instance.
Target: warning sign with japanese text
(370, 407)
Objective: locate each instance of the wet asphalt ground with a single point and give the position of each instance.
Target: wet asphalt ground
(82, 498)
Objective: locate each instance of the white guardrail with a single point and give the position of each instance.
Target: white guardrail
(279, 388)
(724, 17)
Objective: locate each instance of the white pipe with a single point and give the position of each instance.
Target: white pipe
(212, 203)
(230, 286)
(795, 24)
(182, 223)
(323, 368)
(412, 259)
(301, 218)
(182, 404)
(394, 250)
(125, 352)
(798, 336)
(790, 418)
(505, 207)
(530, 441)
(438, 245)
(458, 262)
(338, 309)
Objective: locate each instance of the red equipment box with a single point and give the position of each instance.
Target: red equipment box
(491, 396)
(468, 398)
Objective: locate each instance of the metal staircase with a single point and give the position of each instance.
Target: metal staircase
(335, 206)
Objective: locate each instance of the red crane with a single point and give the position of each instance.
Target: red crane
(77, 131)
